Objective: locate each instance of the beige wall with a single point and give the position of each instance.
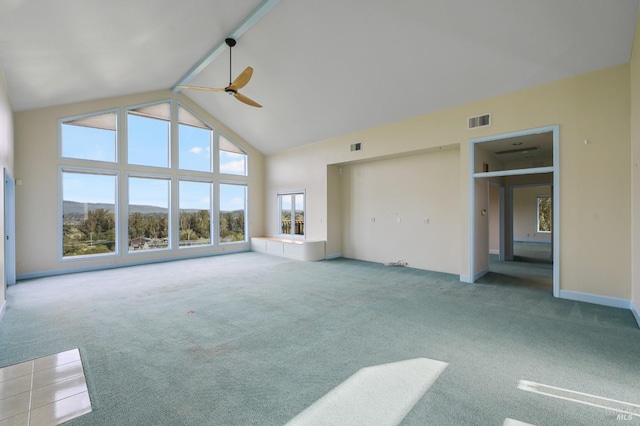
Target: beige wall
(37, 219)
(525, 210)
(635, 167)
(6, 161)
(404, 208)
(595, 106)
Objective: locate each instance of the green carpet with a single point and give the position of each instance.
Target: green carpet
(251, 339)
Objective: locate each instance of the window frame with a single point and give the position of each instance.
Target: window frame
(212, 228)
(246, 211)
(117, 143)
(293, 208)
(212, 140)
(90, 171)
(170, 134)
(218, 168)
(538, 199)
(158, 176)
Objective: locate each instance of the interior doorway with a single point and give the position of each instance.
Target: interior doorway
(498, 165)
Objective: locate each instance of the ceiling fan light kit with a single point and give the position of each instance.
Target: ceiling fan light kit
(235, 85)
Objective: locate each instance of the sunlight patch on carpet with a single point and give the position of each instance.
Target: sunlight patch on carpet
(382, 395)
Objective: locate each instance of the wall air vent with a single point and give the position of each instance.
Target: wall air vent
(356, 146)
(517, 150)
(479, 121)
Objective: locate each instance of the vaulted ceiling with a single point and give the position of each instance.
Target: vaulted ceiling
(321, 68)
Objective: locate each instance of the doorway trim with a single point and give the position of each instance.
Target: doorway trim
(555, 169)
(9, 228)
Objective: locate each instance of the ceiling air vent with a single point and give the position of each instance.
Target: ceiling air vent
(356, 146)
(479, 121)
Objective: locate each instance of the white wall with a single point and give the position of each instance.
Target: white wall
(635, 174)
(6, 161)
(404, 208)
(595, 106)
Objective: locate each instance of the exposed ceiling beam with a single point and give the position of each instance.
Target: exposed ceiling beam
(244, 25)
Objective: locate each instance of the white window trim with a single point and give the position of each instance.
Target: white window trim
(217, 155)
(212, 211)
(170, 135)
(212, 168)
(61, 121)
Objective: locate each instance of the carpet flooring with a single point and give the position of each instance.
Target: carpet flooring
(251, 339)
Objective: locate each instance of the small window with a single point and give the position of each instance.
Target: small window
(194, 140)
(233, 205)
(233, 160)
(148, 213)
(544, 214)
(92, 137)
(195, 213)
(88, 213)
(291, 213)
(148, 135)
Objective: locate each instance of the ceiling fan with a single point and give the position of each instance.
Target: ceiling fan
(235, 85)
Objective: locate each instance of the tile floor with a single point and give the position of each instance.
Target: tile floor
(44, 391)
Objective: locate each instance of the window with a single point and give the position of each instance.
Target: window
(233, 160)
(233, 205)
(149, 132)
(291, 207)
(195, 138)
(544, 213)
(90, 137)
(148, 213)
(88, 213)
(195, 213)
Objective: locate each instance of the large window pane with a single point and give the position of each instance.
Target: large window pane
(291, 213)
(195, 213)
(88, 214)
(195, 139)
(233, 202)
(148, 213)
(90, 138)
(233, 160)
(148, 131)
(298, 227)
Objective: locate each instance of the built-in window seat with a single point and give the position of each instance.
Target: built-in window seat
(288, 247)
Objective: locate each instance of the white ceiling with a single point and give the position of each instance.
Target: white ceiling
(322, 68)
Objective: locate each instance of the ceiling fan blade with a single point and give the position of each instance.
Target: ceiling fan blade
(243, 98)
(243, 78)
(208, 89)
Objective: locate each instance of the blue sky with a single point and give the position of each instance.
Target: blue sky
(148, 144)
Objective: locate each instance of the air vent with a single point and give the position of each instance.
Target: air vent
(479, 121)
(356, 146)
(517, 150)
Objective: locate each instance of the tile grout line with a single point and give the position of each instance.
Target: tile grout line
(33, 366)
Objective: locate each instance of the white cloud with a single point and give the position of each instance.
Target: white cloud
(195, 150)
(232, 167)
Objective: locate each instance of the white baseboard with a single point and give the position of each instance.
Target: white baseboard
(634, 311)
(492, 251)
(531, 240)
(91, 268)
(614, 302)
(333, 256)
(478, 275)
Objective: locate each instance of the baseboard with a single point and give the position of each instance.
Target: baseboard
(613, 302)
(531, 240)
(634, 311)
(333, 256)
(51, 273)
(492, 251)
(477, 276)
